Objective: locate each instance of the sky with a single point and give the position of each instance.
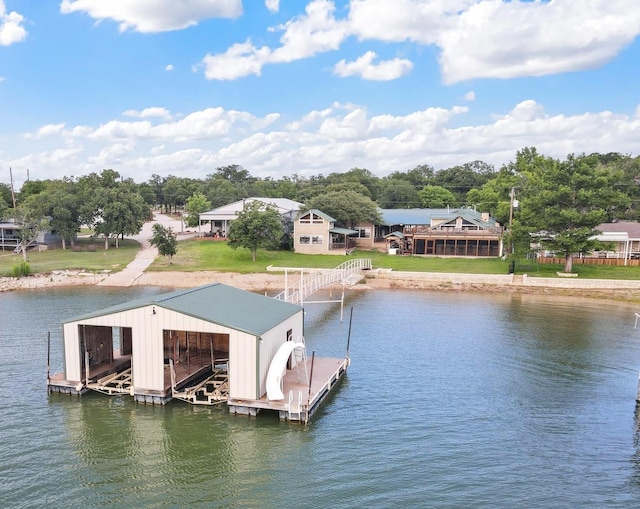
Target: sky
(310, 87)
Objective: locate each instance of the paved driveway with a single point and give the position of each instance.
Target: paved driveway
(147, 253)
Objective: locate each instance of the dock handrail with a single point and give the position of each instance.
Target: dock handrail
(319, 279)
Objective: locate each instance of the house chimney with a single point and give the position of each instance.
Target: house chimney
(485, 217)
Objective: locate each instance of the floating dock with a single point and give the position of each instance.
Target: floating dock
(206, 346)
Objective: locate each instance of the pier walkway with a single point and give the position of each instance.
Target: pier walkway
(347, 273)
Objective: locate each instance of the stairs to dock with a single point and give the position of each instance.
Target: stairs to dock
(347, 273)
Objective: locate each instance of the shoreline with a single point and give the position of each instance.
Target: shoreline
(273, 283)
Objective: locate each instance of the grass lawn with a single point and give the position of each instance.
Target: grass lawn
(202, 255)
(197, 255)
(58, 259)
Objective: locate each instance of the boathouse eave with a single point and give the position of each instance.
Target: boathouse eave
(223, 305)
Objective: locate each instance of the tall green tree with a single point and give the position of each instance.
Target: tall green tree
(61, 204)
(165, 240)
(348, 208)
(110, 206)
(196, 205)
(398, 194)
(436, 197)
(258, 225)
(564, 202)
(31, 223)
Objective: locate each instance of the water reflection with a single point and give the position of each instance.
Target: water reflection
(461, 400)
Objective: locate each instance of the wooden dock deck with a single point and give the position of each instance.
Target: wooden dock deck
(299, 402)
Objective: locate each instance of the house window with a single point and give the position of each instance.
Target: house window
(305, 239)
(311, 219)
(317, 239)
(363, 233)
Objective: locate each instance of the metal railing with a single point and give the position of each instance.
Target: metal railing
(316, 280)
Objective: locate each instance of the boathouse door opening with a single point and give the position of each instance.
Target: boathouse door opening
(106, 349)
(193, 353)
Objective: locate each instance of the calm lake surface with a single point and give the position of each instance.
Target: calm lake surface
(452, 400)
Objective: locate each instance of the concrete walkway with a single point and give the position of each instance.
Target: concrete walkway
(147, 253)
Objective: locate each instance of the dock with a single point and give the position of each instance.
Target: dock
(301, 401)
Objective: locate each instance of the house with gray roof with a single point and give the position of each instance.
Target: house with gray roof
(437, 232)
(219, 219)
(315, 232)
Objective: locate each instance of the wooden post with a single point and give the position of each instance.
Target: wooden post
(313, 357)
(48, 360)
(349, 334)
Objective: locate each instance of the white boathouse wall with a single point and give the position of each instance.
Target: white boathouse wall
(249, 358)
(271, 342)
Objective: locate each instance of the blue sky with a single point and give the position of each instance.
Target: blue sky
(311, 87)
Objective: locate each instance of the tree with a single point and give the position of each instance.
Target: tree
(461, 179)
(165, 240)
(436, 197)
(258, 225)
(59, 201)
(348, 208)
(398, 194)
(196, 205)
(31, 226)
(112, 208)
(6, 195)
(564, 202)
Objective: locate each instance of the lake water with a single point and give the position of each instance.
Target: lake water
(452, 400)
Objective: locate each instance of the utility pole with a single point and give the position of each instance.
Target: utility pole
(13, 194)
(513, 203)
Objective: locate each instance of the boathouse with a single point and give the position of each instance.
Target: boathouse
(205, 345)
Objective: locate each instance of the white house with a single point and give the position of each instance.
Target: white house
(220, 218)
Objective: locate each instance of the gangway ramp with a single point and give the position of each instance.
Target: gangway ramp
(312, 280)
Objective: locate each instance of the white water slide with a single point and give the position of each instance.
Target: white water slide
(278, 368)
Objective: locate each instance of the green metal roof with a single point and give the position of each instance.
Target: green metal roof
(217, 303)
(343, 231)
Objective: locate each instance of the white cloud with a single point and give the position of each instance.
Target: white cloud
(240, 60)
(314, 32)
(11, 29)
(476, 38)
(470, 96)
(403, 20)
(365, 67)
(272, 5)
(321, 141)
(148, 112)
(496, 39)
(148, 16)
(46, 130)
(169, 67)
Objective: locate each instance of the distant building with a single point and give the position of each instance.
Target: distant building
(220, 218)
(624, 237)
(10, 238)
(438, 232)
(315, 232)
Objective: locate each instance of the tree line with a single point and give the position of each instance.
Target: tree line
(563, 199)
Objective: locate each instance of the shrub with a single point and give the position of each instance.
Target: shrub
(21, 270)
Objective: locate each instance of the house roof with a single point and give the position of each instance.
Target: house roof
(631, 228)
(217, 303)
(317, 212)
(343, 231)
(425, 216)
(230, 211)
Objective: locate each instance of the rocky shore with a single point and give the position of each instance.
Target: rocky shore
(272, 283)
